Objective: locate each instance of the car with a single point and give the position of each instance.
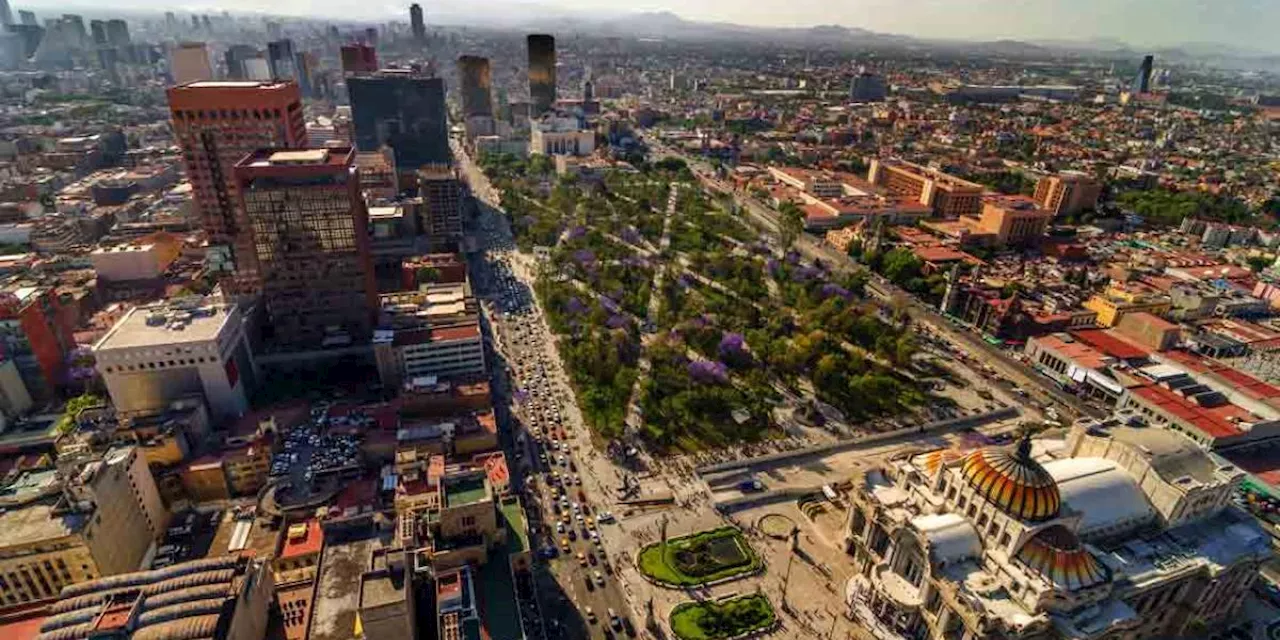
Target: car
(573, 535)
(591, 558)
(582, 558)
(605, 517)
(591, 615)
(564, 544)
(591, 586)
(600, 578)
(614, 620)
(559, 527)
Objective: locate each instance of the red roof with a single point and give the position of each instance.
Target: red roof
(25, 628)
(306, 545)
(495, 467)
(1109, 343)
(1238, 380)
(357, 494)
(1213, 421)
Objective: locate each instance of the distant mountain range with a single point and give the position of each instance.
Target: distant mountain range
(668, 25)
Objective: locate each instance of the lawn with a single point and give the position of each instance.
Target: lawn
(727, 619)
(700, 558)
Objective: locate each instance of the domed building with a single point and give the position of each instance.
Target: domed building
(1108, 531)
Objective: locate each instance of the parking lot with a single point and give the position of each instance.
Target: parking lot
(324, 444)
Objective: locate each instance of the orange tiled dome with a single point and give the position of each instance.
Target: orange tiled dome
(1057, 554)
(1013, 481)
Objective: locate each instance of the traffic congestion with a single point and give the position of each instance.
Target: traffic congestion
(566, 517)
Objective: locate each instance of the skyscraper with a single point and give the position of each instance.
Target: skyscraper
(118, 33)
(359, 58)
(476, 97)
(79, 35)
(280, 59)
(310, 232)
(217, 124)
(404, 110)
(542, 73)
(28, 18)
(189, 62)
(236, 56)
(1142, 83)
(98, 29)
(416, 22)
(6, 14)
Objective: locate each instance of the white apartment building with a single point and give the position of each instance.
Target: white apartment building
(159, 353)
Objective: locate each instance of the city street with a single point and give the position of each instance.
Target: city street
(565, 493)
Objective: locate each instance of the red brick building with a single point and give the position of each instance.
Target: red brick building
(217, 124)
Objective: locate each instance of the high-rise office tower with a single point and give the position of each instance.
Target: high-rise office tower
(1142, 83)
(98, 30)
(359, 58)
(118, 33)
(280, 59)
(542, 73)
(310, 232)
(402, 109)
(304, 69)
(476, 97)
(588, 91)
(6, 14)
(217, 124)
(189, 62)
(204, 24)
(236, 56)
(28, 17)
(79, 35)
(170, 20)
(371, 36)
(416, 23)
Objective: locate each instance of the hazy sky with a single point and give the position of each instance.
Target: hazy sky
(1245, 23)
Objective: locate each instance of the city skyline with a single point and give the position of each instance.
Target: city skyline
(1240, 25)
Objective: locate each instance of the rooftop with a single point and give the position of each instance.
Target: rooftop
(172, 323)
(37, 522)
(1216, 422)
(1107, 342)
(337, 598)
(466, 490)
(1079, 353)
(185, 600)
(385, 584)
(304, 538)
(517, 530)
(330, 158)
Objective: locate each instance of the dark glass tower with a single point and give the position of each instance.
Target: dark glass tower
(404, 110)
(542, 73)
(416, 23)
(1142, 83)
(476, 82)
